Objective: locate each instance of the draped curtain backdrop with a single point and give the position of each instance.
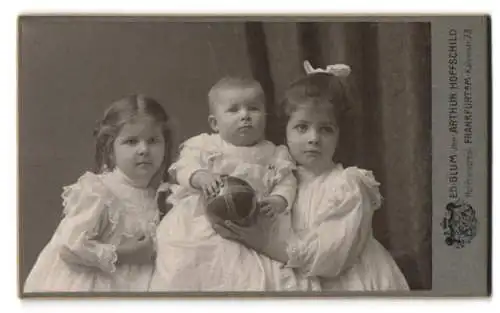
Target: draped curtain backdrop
(389, 129)
(71, 68)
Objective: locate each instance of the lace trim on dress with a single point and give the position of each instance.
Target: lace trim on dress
(368, 181)
(134, 221)
(107, 254)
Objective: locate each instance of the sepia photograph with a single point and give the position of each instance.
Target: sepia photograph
(253, 156)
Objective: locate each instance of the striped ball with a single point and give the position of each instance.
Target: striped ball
(236, 201)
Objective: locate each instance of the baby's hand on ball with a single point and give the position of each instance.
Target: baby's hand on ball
(212, 188)
(209, 183)
(273, 205)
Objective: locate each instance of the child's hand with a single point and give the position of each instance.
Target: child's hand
(208, 182)
(273, 205)
(136, 251)
(264, 236)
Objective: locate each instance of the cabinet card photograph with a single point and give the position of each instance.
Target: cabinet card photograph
(285, 156)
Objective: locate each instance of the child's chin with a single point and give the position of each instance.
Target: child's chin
(144, 174)
(309, 162)
(245, 141)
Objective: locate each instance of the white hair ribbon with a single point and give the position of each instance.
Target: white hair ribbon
(339, 70)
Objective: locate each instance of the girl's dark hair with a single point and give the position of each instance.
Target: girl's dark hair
(124, 111)
(316, 90)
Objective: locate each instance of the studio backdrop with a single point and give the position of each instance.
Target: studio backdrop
(71, 69)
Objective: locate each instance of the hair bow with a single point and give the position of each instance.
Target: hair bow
(339, 70)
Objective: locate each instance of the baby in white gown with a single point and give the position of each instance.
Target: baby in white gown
(191, 255)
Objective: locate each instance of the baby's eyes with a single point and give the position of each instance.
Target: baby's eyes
(236, 109)
(255, 106)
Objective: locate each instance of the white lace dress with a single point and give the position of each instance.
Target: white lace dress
(100, 212)
(191, 255)
(330, 213)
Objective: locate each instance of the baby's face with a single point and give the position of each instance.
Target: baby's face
(239, 116)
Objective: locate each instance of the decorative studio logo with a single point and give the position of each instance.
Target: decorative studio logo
(459, 224)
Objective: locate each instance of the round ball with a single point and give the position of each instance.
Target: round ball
(236, 201)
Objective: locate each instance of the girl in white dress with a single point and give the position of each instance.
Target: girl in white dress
(331, 246)
(105, 241)
(191, 255)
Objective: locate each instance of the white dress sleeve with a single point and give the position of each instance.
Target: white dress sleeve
(285, 183)
(193, 157)
(85, 216)
(333, 243)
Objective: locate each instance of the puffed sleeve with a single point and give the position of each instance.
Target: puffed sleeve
(285, 183)
(85, 216)
(335, 240)
(193, 156)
